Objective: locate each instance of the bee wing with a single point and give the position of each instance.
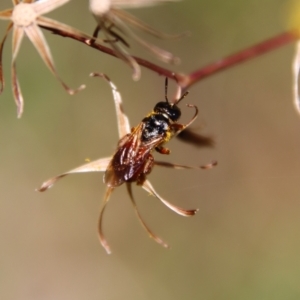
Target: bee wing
(130, 158)
(191, 137)
(125, 160)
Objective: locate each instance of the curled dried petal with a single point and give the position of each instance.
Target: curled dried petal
(56, 26)
(98, 165)
(37, 38)
(17, 91)
(181, 211)
(149, 231)
(163, 55)
(122, 119)
(109, 17)
(129, 18)
(102, 239)
(124, 55)
(18, 35)
(1, 52)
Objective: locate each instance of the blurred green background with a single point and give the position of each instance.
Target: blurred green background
(243, 243)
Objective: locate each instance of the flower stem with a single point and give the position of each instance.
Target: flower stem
(186, 81)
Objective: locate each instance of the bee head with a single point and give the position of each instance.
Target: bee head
(171, 110)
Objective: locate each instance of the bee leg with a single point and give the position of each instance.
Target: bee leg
(151, 234)
(177, 128)
(96, 31)
(148, 165)
(162, 150)
(209, 165)
(181, 167)
(117, 37)
(95, 35)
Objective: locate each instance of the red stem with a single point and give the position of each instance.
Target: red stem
(186, 81)
(179, 77)
(242, 56)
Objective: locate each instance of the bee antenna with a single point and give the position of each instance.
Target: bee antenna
(182, 97)
(166, 90)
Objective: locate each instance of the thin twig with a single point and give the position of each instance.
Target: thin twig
(243, 55)
(179, 77)
(186, 81)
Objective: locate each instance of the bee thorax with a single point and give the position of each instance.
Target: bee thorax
(156, 125)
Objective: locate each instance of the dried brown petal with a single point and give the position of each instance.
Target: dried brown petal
(6, 14)
(132, 20)
(17, 91)
(181, 211)
(122, 119)
(10, 25)
(30, 1)
(98, 165)
(109, 17)
(163, 55)
(149, 231)
(124, 55)
(102, 239)
(55, 25)
(18, 35)
(37, 38)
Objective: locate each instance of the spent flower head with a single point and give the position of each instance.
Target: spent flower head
(26, 18)
(117, 24)
(130, 146)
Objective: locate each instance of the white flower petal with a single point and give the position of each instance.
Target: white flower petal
(296, 70)
(45, 6)
(137, 3)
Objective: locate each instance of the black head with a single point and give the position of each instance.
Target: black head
(167, 108)
(171, 110)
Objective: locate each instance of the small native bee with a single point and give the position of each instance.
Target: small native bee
(133, 159)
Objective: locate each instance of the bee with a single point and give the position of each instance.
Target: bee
(133, 159)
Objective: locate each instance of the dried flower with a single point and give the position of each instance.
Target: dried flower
(296, 70)
(115, 23)
(129, 139)
(25, 18)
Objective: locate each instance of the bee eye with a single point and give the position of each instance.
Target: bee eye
(172, 111)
